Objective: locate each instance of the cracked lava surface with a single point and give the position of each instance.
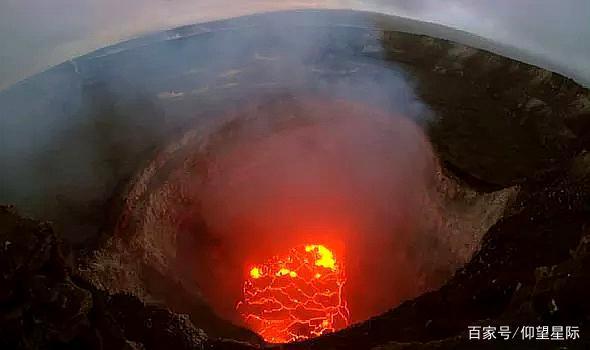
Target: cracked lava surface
(295, 296)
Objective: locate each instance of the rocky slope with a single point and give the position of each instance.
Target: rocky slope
(44, 306)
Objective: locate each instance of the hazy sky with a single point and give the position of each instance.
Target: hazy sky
(36, 34)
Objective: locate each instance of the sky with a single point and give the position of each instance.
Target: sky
(37, 34)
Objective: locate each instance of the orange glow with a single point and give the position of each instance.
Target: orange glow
(255, 272)
(326, 258)
(296, 296)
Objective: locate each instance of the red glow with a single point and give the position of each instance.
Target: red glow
(322, 172)
(296, 296)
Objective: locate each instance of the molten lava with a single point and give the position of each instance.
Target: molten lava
(296, 296)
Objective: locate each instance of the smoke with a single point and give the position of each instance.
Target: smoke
(66, 140)
(36, 35)
(354, 175)
(331, 154)
(312, 138)
(347, 167)
(325, 172)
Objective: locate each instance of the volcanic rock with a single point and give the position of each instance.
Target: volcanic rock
(44, 306)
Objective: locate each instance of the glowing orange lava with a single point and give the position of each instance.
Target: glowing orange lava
(296, 296)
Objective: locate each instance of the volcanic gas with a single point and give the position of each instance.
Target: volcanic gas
(296, 296)
(299, 216)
